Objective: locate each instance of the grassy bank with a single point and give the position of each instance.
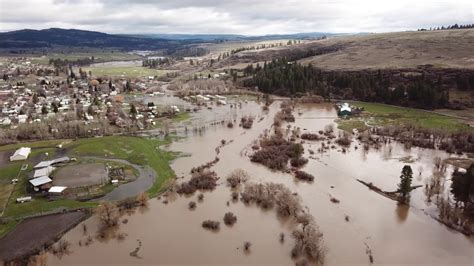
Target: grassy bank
(7, 227)
(376, 114)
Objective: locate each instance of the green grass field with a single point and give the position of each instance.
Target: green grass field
(99, 56)
(136, 150)
(126, 71)
(350, 124)
(381, 114)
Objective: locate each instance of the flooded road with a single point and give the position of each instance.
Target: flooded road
(171, 234)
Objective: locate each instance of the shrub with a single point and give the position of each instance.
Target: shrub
(310, 136)
(308, 241)
(202, 180)
(121, 236)
(298, 162)
(246, 122)
(142, 199)
(237, 177)
(211, 225)
(127, 204)
(192, 205)
(344, 141)
(235, 196)
(230, 218)
(276, 151)
(200, 197)
(247, 246)
(61, 248)
(301, 175)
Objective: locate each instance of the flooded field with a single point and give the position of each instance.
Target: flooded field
(81, 175)
(362, 223)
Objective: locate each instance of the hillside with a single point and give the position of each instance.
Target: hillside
(54, 37)
(442, 49)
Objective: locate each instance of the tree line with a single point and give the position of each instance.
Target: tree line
(154, 63)
(450, 27)
(425, 90)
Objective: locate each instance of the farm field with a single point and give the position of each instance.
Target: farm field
(125, 71)
(381, 114)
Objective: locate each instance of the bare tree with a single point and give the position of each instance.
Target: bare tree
(108, 214)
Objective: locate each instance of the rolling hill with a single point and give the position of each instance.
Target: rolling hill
(54, 37)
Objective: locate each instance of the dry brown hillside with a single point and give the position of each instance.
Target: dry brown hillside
(445, 49)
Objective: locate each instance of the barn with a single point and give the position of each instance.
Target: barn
(21, 154)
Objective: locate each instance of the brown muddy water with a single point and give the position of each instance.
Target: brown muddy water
(171, 234)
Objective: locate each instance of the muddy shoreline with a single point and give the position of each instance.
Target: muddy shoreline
(33, 235)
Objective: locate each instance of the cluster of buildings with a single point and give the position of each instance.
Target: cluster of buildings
(40, 180)
(206, 98)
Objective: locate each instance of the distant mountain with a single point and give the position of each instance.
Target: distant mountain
(235, 37)
(32, 40)
(54, 37)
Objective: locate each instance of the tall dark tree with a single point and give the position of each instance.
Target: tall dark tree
(463, 185)
(133, 110)
(405, 183)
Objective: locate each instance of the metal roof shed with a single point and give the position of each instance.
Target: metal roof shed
(57, 189)
(40, 181)
(43, 171)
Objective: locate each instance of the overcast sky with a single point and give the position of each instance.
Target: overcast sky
(254, 17)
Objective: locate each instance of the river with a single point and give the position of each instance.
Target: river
(171, 234)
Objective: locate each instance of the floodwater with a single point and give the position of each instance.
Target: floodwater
(172, 234)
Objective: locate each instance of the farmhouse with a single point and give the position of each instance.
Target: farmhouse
(344, 110)
(21, 154)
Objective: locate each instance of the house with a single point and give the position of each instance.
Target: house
(345, 110)
(22, 119)
(6, 121)
(43, 171)
(21, 154)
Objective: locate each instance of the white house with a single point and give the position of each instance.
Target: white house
(21, 154)
(22, 119)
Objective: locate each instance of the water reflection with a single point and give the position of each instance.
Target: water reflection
(402, 211)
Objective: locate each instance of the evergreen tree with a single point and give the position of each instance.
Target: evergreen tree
(35, 98)
(44, 110)
(405, 183)
(133, 110)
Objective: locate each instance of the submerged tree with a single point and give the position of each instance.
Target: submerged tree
(108, 214)
(405, 183)
(463, 185)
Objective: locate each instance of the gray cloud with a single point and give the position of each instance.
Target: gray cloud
(239, 16)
